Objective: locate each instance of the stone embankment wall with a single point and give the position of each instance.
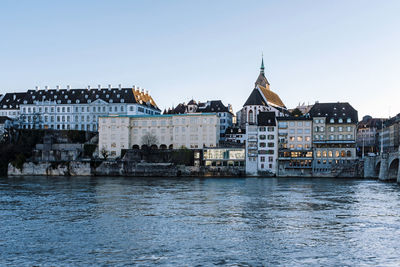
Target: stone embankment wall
(121, 168)
(72, 168)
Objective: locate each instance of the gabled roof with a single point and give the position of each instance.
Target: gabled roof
(255, 98)
(272, 97)
(205, 107)
(213, 106)
(266, 119)
(12, 100)
(334, 111)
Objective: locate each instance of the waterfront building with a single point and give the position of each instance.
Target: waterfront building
(235, 135)
(261, 99)
(10, 104)
(389, 134)
(334, 136)
(262, 145)
(218, 157)
(194, 131)
(213, 106)
(367, 135)
(295, 154)
(79, 109)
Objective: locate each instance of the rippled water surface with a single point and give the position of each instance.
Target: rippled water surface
(237, 222)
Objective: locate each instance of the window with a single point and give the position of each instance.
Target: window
(291, 123)
(340, 120)
(348, 120)
(299, 123)
(332, 120)
(262, 144)
(340, 128)
(332, 129)
(270, 129)
(299, 138)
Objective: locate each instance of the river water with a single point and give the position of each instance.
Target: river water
(235, 222)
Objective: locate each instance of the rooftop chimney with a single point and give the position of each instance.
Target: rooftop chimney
(99, 86)
(134, 87)
(147, 92)
(88, 87)
(46, 87)
(68, 87)
(37, 88)
(57, 87)
(119, 86)
(109, 86)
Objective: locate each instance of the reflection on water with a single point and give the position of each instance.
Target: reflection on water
(118, 221)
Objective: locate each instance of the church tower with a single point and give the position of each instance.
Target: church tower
(262, 80)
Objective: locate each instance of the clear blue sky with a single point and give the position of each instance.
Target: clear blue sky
(313, 50)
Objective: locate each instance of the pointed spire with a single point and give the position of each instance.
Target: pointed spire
(262, 64)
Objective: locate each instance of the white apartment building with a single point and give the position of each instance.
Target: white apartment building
(194, 131)
(10, 104)
(212, 106)
(262, 145)
(76, 109)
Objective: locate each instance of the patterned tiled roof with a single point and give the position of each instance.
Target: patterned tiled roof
(84, 96)
(12, 100)
(334, 111)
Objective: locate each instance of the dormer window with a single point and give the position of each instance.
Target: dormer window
(86, 96)
(73, 92)
(58, 101)
(25, 102)
(122, 100)
(55, 97)
(118, 95)
(340, 120)
(332, 120)
(89, 101)
(97, 96)
(348, 120)
(77, 101)
(111, 100)
(69, 101)
(65, 96)
(33, 97)
(107, 96)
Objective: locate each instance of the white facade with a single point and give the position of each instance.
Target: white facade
(195, 130)
(79, 109)
(262, 147)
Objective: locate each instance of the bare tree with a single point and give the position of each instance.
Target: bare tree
(149, 139)
(104, 152)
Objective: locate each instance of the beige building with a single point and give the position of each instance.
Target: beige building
(295, 145)
(334, 135)
(195, 130)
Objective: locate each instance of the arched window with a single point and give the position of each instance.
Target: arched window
(348, 153)
(343, 154)
(251, 117)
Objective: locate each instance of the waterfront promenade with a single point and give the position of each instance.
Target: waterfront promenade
(84, 221)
